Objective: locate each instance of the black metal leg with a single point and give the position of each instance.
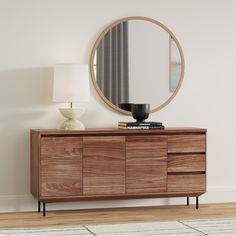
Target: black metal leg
(187, 201)
(196, 202)
(44, 209)
(39, 206)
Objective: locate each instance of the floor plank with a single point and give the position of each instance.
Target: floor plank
(117, 215)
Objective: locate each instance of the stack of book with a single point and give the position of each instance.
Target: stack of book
(140, 125)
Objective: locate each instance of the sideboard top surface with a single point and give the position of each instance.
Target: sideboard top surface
(114, 131)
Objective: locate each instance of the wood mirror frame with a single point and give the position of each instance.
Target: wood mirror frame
(93, 53)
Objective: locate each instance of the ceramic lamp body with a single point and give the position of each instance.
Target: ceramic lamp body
(72, 122)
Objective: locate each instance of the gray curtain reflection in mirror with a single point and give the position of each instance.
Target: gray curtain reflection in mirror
(112, 64)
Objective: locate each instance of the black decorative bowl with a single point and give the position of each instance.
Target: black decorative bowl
(140, 112)
(125, 106)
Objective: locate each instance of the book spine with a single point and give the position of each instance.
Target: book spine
(140, 124)
(141, 127)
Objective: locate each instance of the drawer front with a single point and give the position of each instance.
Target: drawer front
(186, 143)
(187, 183)
(186, 163)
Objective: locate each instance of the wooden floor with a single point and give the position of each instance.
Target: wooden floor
(118, 215)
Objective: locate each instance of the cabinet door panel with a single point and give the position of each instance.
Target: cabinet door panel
(146, 164)
(104, 165)
(61, 166)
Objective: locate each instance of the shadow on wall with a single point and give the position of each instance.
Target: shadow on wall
(25, 101)
(26, 87)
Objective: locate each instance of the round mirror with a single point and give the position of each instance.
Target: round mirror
(137, 60)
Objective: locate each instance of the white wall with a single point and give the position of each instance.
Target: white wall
(36, 34)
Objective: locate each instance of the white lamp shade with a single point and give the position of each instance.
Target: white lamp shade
(71, 83)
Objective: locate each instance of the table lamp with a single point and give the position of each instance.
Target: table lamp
(71, 84)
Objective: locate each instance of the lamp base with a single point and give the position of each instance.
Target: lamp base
(72, 125)
(72, 115)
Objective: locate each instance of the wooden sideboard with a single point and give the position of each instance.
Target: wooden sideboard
(117, 164)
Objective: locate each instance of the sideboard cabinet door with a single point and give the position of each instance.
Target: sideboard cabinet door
(61, 166)
(146, 164)
(103, 165)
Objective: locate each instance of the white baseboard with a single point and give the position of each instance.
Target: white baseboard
(219, 194)
(18, 203)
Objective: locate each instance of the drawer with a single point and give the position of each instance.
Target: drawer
(187, 183)
(186, 163)
(186, 143)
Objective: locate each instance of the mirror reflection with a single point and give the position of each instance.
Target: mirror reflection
(137, 61)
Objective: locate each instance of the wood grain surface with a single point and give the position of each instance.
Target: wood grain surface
(122, 196)
(185, 183)
(34, 163)
(98, 164)
(186, 143)
(61, 166)
(115, 131)
(186, 163)
(146, 164)
(103, 165)
(120, 215)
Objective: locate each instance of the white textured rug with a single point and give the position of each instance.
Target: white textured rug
(218, 227)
